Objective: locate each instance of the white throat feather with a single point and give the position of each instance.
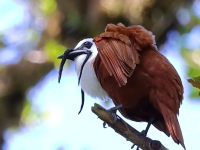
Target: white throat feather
(88, 81)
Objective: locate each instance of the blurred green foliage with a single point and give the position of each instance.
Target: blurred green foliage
(27, 115)
(31, 116)
(192, 58)
(53, 49)
(48, 6)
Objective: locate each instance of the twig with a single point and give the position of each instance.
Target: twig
(125, 130)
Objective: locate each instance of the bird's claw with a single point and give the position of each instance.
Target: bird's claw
(113, 110)
(144, 132)
(134, 146)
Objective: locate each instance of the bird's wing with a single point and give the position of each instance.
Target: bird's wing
(118, 55)
(118, 48)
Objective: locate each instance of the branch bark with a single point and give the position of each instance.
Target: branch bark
(125, 130)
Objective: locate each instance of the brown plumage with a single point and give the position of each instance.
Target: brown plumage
(136, 75)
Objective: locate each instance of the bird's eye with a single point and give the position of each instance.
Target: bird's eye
(87, 44)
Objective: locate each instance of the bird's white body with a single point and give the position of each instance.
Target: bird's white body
(89, 82)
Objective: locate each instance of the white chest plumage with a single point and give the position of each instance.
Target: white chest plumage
(89, 82)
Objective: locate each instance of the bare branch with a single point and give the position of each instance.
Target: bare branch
(125, 130)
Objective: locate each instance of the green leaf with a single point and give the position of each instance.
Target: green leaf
(194, 93)
(193, 72)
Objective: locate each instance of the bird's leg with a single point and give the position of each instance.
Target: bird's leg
(113, 110)
(144, 132)
(134, 146)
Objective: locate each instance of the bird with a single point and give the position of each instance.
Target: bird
(123, 64)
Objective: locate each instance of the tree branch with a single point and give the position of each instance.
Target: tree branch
(125, 130)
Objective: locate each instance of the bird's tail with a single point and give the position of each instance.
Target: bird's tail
(173, 126)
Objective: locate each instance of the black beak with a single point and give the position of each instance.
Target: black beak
(71, 54)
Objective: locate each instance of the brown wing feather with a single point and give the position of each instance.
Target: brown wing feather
(117, 52)
(118, 48)
(111, 61)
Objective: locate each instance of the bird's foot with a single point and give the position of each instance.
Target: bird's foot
(144, 132)
(113, 110)
(134, 146)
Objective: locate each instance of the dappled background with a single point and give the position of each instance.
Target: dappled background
(38, 113)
